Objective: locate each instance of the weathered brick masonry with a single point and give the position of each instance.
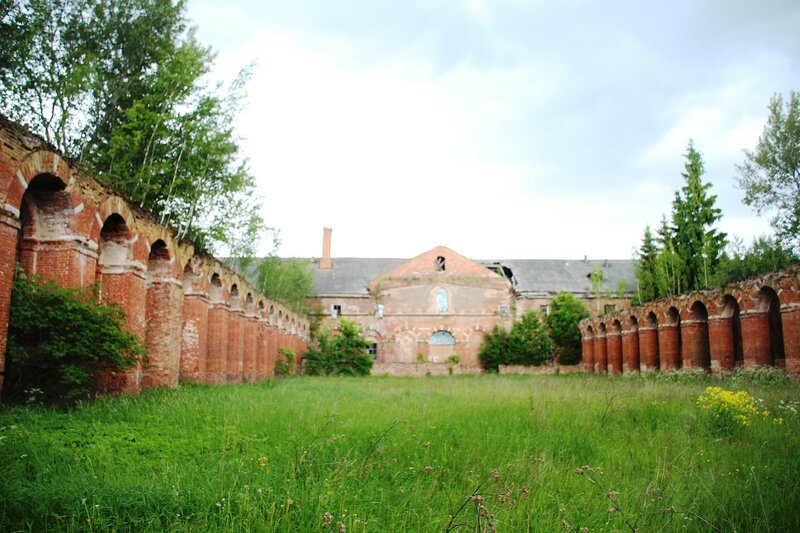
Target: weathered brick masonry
(752, 323)
(200, 321)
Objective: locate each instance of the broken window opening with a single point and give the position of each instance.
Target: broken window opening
(441, 301)
(440, 264)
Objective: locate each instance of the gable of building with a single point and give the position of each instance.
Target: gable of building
(438, 266)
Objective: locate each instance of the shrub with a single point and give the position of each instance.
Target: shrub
(562, 322)
(61, 341)
(494, 349)
(286, 364)
(729, 410)
(342, 354)
(526, 344)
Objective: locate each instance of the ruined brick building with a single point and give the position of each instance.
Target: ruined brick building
(418, 313)
(199, 320)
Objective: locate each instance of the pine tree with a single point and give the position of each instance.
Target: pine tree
(646, 269)
(697, 243)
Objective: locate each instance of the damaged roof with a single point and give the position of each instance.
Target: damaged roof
(351, 276)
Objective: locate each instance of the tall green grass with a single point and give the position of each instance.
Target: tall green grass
(403, 454)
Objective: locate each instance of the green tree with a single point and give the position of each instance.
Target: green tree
(341, 354)
(61, 341)
(697, 242)
(119, 85)
(528, 341)
(598, 287)
(765, 254)
(770, 174)
(562, 322)
(669, 262)
(646, 269)
(286, 280)
(494, 349)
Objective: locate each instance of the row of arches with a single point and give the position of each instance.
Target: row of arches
(199, 320)
(755, 323)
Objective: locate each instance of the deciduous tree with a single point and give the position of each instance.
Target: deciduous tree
(770, 174)
(120, 86)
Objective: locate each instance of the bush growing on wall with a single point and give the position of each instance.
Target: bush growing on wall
(60, 341)
(286, 364)
(342, 354)
(526, 344)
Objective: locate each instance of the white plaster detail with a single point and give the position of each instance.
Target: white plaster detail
(13, 210)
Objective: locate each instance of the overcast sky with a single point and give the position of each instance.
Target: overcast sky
(501, 129)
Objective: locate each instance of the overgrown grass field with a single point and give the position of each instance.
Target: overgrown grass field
(405, 454)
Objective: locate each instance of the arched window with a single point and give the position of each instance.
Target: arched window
(442, 338)
(441, 301)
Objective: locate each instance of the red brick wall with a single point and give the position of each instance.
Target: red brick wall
(194, 338)
(233, 373)
(60, 211)
(764, 310)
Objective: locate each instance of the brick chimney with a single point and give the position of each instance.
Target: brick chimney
(326, 263)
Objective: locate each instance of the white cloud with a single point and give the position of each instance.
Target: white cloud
(500, 130)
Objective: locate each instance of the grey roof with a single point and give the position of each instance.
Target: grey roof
(351, 276)
(544, 276)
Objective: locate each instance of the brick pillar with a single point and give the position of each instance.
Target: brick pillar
(233, 373)
(194, 338)
(720, 343)
(272, 349)
(790, 318)
(648, 348)
(164, 306)
(630, 349)
(694, 344)
(262, 350)
(125, 286)
(69, 263)
(755, 338)
(587, 349)
(9, 228)
(217, 344)
(614, 341)
(250, 348)
(669, 350)
(601, 353)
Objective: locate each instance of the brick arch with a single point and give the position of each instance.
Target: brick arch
(49, 243)
(151, 238)
(769, 303)
(725, 333)
(601, 348)
(695, 341)
(194, 278)
(614, 343)
(35, 164)
(234, 298)
(113, 205)
(630, 343)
